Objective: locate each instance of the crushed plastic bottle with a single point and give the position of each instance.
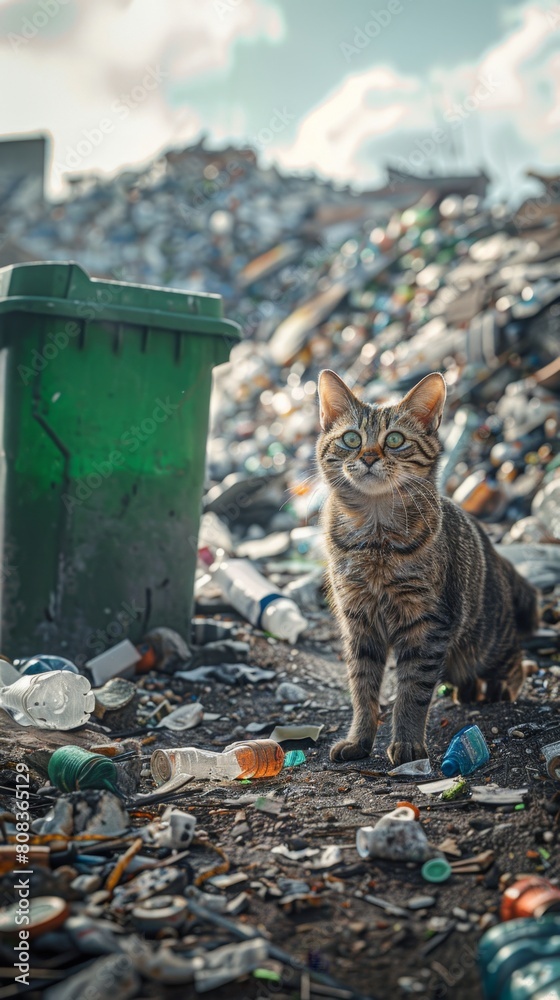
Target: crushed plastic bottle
(56, 700)
(519, 960)
(252, 595)
(253, 759)
(466, 752)
(397, 836)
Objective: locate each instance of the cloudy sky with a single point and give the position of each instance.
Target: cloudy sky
(338, 87)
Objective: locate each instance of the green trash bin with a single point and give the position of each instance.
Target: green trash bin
(105, 389)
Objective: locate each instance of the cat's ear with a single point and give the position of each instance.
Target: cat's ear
(335, 398)
(426, 401)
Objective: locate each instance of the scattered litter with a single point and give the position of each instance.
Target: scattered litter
(253, 759)
(159, 912)
(301, 855)
(281, 734)
(436, 870)
(57, 700)
(397, 836)
(119, 661)
(72, 768)
(173, 829)
(466, 752)
(316, 274)
(161, 649)
(290, 693)
(413, 769)
(117, 971)
(479, 863)
(435, 787)
(251, 594)
(421, 902)
(529, 897)
(224, 965)
(185, 717)
(493, 795)
(226, 881)
(551, 753)
(390, 908)
(115, 694)
(521, 959)
(226, 673)
(266, 804)
(457, 789)
(45, 914)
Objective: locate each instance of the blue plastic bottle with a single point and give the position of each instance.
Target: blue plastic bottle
(466, 752)
(44, 663)
(520, 960)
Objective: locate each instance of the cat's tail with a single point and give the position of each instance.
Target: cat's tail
(524, 604)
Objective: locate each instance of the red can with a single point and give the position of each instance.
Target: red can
(530, 897)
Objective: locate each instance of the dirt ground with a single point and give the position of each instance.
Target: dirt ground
(371, 953)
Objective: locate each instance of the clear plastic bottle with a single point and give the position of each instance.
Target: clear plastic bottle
(466, 752)
(57, 700)
(252, 595)
(253, 759)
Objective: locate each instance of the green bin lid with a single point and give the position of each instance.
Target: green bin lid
(65, 289)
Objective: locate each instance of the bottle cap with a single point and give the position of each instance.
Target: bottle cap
(436, 870)
(450, 766)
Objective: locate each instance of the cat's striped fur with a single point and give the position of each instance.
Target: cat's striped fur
(409, 571)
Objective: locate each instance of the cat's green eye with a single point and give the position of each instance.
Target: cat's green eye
(394, 439)
(352, 439)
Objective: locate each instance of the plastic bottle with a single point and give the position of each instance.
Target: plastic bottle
(466, 752)
(252, 595)
(43, 663)
(397, 836)
(58, 700)
(253, 759)
(520, 960)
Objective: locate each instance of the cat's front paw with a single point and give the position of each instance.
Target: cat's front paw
(351, 750)
(401, 752)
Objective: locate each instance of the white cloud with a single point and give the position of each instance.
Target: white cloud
(523, 76)
(365, 105)
(90, 59)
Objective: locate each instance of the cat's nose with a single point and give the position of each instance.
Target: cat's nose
(369, 457)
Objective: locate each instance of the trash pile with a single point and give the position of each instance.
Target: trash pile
(172, 800)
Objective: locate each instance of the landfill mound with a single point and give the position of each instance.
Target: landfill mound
(244, 886)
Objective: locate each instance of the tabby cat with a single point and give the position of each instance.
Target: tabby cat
(409, 571)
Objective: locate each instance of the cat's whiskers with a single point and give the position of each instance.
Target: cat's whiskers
(420, 511)
(404, 506)
(425, 492)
